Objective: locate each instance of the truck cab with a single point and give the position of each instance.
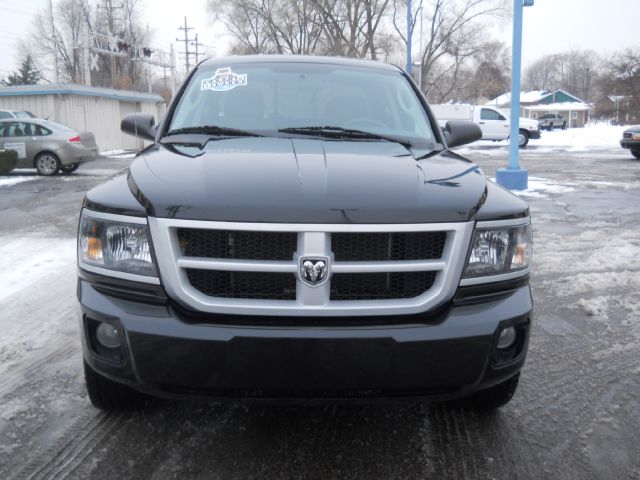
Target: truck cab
(493, 122)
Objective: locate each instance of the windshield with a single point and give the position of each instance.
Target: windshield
(268, 97)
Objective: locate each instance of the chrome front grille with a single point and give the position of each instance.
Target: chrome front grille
(242, 268)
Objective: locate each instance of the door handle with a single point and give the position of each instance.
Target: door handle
(481, 123)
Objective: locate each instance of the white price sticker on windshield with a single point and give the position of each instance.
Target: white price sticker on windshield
(224, 79)
(19, 147)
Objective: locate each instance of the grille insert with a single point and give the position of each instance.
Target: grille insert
(380, 286)
(237, 244)
(626, 135)
(359, 247)
(258, 285)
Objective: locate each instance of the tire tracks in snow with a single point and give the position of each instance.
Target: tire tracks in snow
(78, 442)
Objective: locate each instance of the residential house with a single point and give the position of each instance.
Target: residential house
(538, 102)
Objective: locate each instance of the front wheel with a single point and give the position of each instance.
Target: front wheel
(72, 167)
(564, 126)
(636, 153)
(523, 138)
(47, 164)
(111, 396)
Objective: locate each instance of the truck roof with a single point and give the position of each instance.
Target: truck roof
(242, 59)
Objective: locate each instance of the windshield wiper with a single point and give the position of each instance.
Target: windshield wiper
(340, 132)
(212, 130)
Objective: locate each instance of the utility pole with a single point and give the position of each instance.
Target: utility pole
(514, 177)
(196, 44)
(186, 43)
(409, 32)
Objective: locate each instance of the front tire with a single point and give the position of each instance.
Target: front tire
(636, 153)
(523, 138)
(111, 396)
(494, 397)
(47, 164)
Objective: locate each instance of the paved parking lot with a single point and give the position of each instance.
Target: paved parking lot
(575, 415)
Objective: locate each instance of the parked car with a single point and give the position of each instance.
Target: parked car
(495, 124)
(299, 228)
(551, 121)
(5, 114)
(631, 140)
(47, 146)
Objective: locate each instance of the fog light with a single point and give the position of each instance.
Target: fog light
(108, 335)
(507, 337)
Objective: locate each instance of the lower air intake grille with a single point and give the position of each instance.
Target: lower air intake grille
(380, 286)
(258, 285)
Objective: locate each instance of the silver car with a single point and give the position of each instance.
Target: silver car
(48, 146)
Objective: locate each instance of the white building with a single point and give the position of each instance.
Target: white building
(84, 108)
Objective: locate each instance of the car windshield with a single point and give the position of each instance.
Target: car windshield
(302, 99)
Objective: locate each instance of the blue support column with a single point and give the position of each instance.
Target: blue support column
(514, 177)
(409, 35)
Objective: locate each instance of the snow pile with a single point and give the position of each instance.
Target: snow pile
(579, 139)
(570, 140)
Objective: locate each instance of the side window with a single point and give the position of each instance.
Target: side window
(487, 114)
(40, 131)
(15, 129)
(4, 115)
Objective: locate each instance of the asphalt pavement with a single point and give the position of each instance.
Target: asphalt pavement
(576, 414)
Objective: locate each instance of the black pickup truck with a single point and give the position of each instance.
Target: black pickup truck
(300, 229)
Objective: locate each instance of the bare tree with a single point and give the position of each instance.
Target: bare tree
(574, 71)
(334, 27)
(622, 79)
(58, 31)
(455, 32)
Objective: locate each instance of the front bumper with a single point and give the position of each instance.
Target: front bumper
(169, 353)
(630, 144)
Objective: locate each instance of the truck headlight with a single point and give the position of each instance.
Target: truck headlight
(499, 250)
(115, 245)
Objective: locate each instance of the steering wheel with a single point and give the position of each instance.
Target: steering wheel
(364, 122)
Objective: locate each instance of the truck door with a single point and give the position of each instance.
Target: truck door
(493, 124)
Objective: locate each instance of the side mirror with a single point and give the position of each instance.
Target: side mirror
(139, 124)
(461, 132)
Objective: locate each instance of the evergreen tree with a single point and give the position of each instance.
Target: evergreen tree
(27, 74)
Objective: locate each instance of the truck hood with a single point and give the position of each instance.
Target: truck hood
(528, 124)
(283, 180)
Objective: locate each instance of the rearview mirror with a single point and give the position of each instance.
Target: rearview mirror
(140, 125)
(461, 132)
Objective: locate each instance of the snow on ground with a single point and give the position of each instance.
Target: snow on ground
(24, 261)
(570, 140)
(118, 153)
(9, 181)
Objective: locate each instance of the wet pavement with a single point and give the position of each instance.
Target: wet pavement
(575, 415)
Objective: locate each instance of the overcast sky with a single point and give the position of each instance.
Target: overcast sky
(550, 26)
